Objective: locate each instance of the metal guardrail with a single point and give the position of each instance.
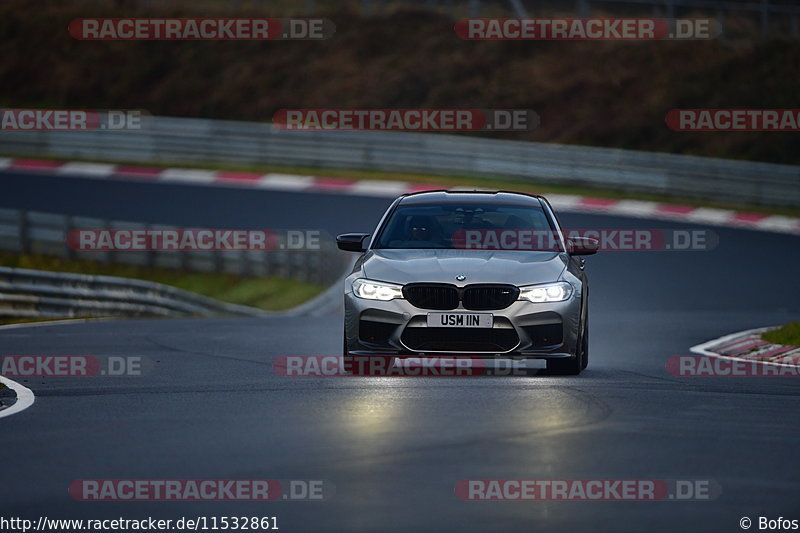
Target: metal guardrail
(203, 141)
(46, 234)
(35, 293)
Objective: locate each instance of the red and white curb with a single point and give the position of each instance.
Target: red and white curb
(749, 345)
(392, 189)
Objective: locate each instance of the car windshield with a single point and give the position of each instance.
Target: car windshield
(469, 226)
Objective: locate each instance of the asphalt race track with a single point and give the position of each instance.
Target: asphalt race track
(211, 406)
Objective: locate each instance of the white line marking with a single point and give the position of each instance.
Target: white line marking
(710, 215)
(779, 223)
(666, 215)
(25, 397)
(379, 188)
(4, 162)
(738, 343)
(188, 174)
(636, 208)
(564, 201)
(288, 182)
(91, 169)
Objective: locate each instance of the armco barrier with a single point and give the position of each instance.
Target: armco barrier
(202, 141)
(35, 294)
(45, 234)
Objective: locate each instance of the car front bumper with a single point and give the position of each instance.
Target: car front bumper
(522, 330)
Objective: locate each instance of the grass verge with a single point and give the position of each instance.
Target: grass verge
(272, 294)
(788, 335)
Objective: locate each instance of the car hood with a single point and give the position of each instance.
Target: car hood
(479, 266)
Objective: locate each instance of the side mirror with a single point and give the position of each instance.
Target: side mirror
(582, 246)
(351, 242)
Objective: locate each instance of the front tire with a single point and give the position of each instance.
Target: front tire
(585, 344)
(573, 365)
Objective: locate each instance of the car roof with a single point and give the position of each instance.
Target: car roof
(491, 197)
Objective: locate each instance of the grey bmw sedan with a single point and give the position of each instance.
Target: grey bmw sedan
(468, 274)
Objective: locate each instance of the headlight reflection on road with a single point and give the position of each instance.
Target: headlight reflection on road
(374, 412)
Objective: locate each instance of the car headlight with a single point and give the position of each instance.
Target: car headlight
(550, 292)
(376, 290)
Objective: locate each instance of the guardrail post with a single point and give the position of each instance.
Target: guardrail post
(301, 265)
(244, 264)
(109, 256)
(283, 268)
(183, 260)
(69, 253)
(24, 244)
(150, 254)
(474, 8)
(582, 8)
(218, 260)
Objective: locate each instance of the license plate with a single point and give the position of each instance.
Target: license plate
(460, 320)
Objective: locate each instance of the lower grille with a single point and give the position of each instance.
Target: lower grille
(494, 340)
(374, 332)
(545, 335)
